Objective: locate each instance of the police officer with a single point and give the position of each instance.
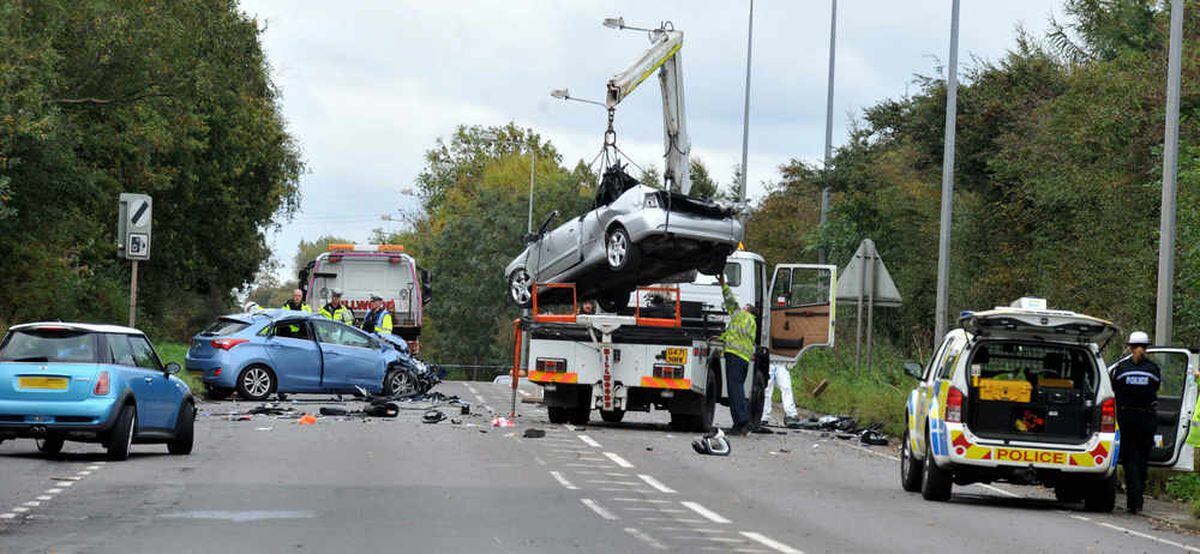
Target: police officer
(336, 310)
(379, 319)
(297, 302)
(1135, 381)
(739, 350)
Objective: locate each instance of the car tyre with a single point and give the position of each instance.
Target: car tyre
(612, 416)
(256, 383)
(580, 415)
(911, 467)
(50, 445)
(1102, 497)
(936, 483)
(620, 252)
(1068, 491)
(398, 381)
(121, 437)
(711, 393)
(558, 414)
(520, 287)
(614, 302)
(185, 424)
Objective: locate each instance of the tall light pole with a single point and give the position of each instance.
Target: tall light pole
(1164, 308)
(746, 106)
(828, 122)
(943, 267)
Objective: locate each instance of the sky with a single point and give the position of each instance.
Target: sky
(368, 86)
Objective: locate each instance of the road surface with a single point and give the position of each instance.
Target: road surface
(349, 485)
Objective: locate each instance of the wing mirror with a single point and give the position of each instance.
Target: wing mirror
(914, 370)
(541, 232)
(173, 368)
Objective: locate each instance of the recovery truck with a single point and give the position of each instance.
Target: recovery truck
(664, 352)
(361, 271)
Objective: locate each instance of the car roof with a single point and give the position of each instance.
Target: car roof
(86, 327)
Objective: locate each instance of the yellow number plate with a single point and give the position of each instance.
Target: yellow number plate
(676, 355)
(50, 383)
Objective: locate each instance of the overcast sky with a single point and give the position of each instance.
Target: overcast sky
(368, 86)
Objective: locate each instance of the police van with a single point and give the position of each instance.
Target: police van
(1021, 394)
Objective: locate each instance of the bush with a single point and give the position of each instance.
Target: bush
(872, 396)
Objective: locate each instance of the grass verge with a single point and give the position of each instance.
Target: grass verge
(870, 396)
(176, 352)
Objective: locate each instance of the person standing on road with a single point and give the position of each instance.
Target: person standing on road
(739, 350)
(379, 319)
(297, 302)
(781, 377)
(336, 309)
(1135, 381)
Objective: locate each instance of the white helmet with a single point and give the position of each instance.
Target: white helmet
(1138, 338)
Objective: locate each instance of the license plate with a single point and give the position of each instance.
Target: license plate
(676, 355)
(45, 383)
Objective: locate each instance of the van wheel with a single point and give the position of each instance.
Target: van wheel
(910, 467)
(185, 423)
(612, 416)
(580, 415)
(936, 482)
(50, 445)
(558, 414)
(121, 437)
(1102, 497)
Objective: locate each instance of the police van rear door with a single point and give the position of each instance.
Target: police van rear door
(1176, 404)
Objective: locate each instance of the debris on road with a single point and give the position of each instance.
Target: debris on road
(334, 411)
(501, 421)
(820, 388)
(534, 433)
(433, 416)
(307, 419)
(712, 444)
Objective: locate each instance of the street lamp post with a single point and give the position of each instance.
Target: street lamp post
(1164, 308)
(746, 106)
(943, 266)
(828, 124)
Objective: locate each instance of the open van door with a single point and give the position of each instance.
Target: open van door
(801, 310)
(1176, 402)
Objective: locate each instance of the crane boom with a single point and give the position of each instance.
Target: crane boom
(662, 56)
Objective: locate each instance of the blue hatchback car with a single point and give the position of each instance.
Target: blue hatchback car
(91, 383)
(281, 351)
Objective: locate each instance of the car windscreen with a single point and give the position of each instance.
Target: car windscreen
(224, 326)
(57, 346)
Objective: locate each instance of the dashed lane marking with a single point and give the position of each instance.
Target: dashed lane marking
(707, 513)
(45, 497)
(563, 481)
(624, 490)
(523, 392)
(53, 491)
(33, 503)
(600, 510)
(770, 543)
(1120, 529)
(8, 515)
(656, 510)
(617, 459)
(658, 485)
(646, 538)
(20, 509)
(589, 441)
(999, 490)
(647, 500)
(612, 482)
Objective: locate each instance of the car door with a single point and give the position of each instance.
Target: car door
(558, 251)
(1176, 402)
(295, 356)
(351, 357)
(152, 387)
(140, 383)
(168, 392)
(802, 310)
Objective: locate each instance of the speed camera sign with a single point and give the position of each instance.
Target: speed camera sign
(133, 226)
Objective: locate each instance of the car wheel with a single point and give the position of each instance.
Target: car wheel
(121, 437)
(558, 414)
(1101, 496)
(910, 466)
(620, 252)
(50, 445)
(612, 416)
(614, 302)
(185, 423)
(936, 482)
(520, 287)
(397, 382)
(1068, 491)
(255, 383)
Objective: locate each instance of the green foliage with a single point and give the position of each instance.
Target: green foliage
(870, 396)
(308, 251)
(172, 100)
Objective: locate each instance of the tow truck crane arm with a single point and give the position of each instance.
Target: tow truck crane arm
(662, 56)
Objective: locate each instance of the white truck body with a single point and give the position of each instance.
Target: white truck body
(361, 271)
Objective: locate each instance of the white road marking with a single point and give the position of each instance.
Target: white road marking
(1135, 533)
(600, 510)
(658, 510)
(523, 392)
(648, 500)
(20, 509)
(710, 539)
(658, 485)
(999, 490)
(63, 484)
(589, 441)
(693, 530)
(585, 458)
(93, 468)
(45, 497)
(618, 460)
(53, 491)
(84, 473)
(33, 503)
(646, 539)
(616, 474)
(8, 515)
(563, 481)
(568, 427)
(624, 490)
(593, 466)
(540, 461)
(480, 398)
(611, 482)
(770, 543)
(472, 389)
(671, 519)
(707, 513)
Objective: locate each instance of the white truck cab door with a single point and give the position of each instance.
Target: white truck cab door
(1176, 403)
(800, 310)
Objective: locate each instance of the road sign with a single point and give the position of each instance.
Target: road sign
(866, 281)
(133, 226)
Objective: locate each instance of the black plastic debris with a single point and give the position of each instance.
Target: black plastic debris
(270, 409)
(712, 444)
(334, 411)
(534, 433)
(872, 437)
(433, 416)
(383, 409)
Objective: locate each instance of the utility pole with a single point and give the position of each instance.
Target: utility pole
(746, 106)
(943, 267)
(1164, 308)
(828, 123)
(532, 160)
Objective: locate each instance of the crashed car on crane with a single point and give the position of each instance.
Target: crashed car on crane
(635, 234)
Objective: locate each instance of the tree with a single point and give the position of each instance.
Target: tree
(307, 251)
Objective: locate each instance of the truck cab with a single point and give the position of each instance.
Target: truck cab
(1021, 394)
